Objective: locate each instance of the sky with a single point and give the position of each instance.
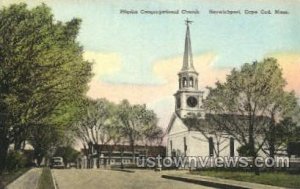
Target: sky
(137, 56)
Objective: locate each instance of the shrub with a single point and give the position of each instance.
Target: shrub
(15, 160)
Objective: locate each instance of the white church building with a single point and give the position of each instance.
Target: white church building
(186, 139)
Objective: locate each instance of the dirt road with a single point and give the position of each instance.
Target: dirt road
(109, 179)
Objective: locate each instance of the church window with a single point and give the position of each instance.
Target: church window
(191, 82)
(231, 147)
(184, 145)
(179, 83)
(211, 146)
(178, 102)
(184, 82)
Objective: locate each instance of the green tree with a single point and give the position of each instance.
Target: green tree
(153, 134)
(287, 132)
(96, 126)
(44, 139)
(136, 121)
(255, 99)
(282, 125)
(42, 75)
(68, 153)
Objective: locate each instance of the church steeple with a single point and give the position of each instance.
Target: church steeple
(188, 97)
(188, 56)
(188, 77)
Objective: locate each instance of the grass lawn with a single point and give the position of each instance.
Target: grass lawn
(8, 177)
(269, 178)
(45, 181)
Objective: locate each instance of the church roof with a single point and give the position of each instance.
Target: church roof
(174, 116)
(216, 122)
(219, 122)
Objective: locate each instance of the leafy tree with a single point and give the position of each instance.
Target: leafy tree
(106, 123)
(42, 75)
(135, 121)
(68, 153)
(97, 126)
(44, 138)
(15, 160)
(153, 135)
(254, 96)
(94, 123)
(287, 132)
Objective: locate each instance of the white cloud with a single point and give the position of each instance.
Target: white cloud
(157, 97)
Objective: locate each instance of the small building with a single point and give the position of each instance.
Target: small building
(108, 155)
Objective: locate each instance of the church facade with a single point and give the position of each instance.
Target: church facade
(185, 139)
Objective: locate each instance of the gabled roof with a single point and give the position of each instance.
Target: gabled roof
(218, 121)
(173, 117)
(207, 124)
(171, 123)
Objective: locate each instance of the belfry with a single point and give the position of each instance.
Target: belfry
(188, 98)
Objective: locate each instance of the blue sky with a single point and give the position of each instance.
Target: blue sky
(140, 39)
(137, 57)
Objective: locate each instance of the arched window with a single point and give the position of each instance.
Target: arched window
(178, 102)
(211, 146)
(184, 81)
(231, 144)
(184, 146)
(179, 83)
(191, 82)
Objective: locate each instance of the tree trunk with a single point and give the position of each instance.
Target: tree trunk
(98, 155)
(272, 137)
(39, 159)
(17, 145)
(110, 154)
(4, 144)
(252, 147)
(132, 150)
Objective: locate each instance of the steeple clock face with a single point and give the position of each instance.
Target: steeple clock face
(192, 101)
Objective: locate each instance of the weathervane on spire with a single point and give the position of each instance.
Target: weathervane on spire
(187, 21)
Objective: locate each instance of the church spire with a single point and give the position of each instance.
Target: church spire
(188, 56)
(188, 97)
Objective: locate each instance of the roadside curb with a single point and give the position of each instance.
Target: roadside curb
(220, 183)
(203, 182)
(123, 170)
(53, 180)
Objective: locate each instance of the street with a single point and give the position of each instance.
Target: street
(112, 179)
